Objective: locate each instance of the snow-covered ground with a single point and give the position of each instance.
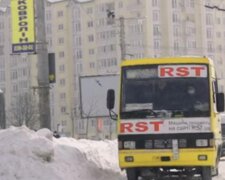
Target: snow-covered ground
(29, 155)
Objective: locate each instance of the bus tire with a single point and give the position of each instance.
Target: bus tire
(206, 173)
(132, 174)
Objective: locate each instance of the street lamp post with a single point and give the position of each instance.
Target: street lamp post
(43, 72)
(2, 110)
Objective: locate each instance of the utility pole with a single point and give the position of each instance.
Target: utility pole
(43, 71)
(2, 110)
(122, 39)
(111, 17)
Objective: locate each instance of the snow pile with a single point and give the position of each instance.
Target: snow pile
(29, 155)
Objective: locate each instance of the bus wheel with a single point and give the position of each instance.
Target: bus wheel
(206, 173)
(132, 174)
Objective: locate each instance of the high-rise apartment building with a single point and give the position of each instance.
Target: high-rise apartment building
(18, 73)
(107, 31)
(90, 38)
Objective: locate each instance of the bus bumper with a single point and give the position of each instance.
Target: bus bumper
(166, 158)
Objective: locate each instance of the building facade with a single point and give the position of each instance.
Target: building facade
(91, 38)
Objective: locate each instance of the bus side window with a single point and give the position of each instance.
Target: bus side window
(215, 90)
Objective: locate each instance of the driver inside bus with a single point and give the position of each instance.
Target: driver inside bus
(160, 95)
(194, 100)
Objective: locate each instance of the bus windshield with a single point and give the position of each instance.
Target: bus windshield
(144, 93)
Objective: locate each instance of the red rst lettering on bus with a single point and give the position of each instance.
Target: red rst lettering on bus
(141, 127)
(198, 70)
(126, 127)
(166, 71)
(156, 125)
(182, 71)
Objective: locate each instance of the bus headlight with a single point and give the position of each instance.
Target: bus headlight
(202, 142)
(211, 142)
(129, 145)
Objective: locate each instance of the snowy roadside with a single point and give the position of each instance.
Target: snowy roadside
(29, 155)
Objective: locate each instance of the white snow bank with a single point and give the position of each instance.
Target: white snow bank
(29, 155)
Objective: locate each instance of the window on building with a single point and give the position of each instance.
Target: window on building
(49, 29)
(174, 3)
(62, 82)
(2, 63)
(14, 75)
(175, 17)
(2, 38)
(61, 54)
(91, 51)
(49, 42)
(155, 15)
(209, 34)
(210, 46)
(48, 15)
(79, 54)
(209, 19)
(156, 44)
(61, 40)
(60, 13)
(1, 25)
(1, 50)
(79, 68)
(91, 38)
(92, 65)
(2, 76)
(156, 30)
(63, 109)
(176, 31)
(155, 3)
(78, 41)
(62, 96)
(218, 34)
(81, 125)
(15, 88)
(62, 68)
(192, 3)
(219, 48)
(77, 27)
(218, 20)
(90, 10)
(121, 4)
(176, 46)
(64, 123)
(90, 24)
(60, 27)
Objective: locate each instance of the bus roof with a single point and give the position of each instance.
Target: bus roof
(168, 60)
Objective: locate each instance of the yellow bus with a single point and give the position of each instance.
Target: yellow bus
(168, 124)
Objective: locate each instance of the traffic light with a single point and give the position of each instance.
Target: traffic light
(51, 65)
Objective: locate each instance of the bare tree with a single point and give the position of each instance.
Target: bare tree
(24, 111)
(90, 110)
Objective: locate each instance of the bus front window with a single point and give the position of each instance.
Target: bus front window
(190, 96)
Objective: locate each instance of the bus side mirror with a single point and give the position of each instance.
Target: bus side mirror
(220, 102)
(110, 99)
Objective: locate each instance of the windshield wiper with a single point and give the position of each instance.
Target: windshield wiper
(140, 113)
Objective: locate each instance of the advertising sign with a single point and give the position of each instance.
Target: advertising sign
(23, 29)
(165, 126)
(169, 71)
(93, 93)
